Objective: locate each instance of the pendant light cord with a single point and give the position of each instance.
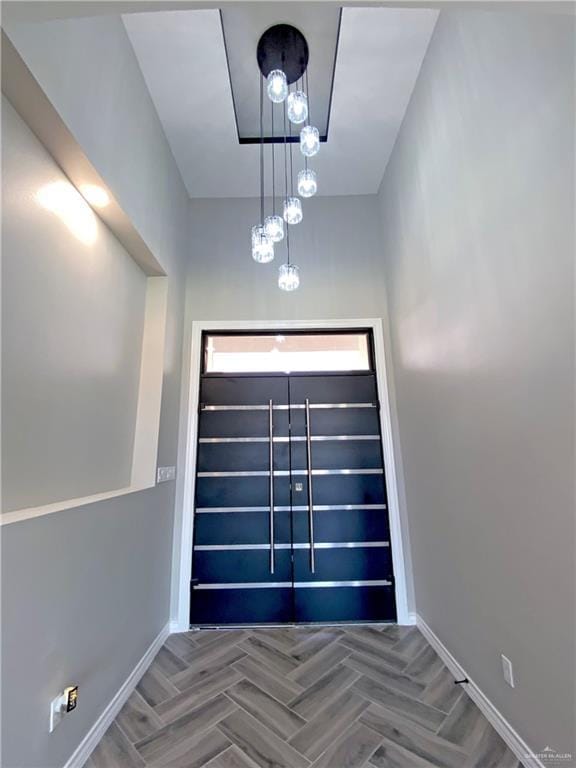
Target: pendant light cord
(286, 183)
(261, 150)
(273, 163)
(308, 118)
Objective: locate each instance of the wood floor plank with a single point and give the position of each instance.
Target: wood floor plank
(491, 752)
(155, 687)
(383, 655)
(195, 753)
(310, 646)
(375, 636)
(317, 735)
(207, 687)
(441, 692)
(137, 719)
(279, 686)
(413, 738)
(176, 737)
(281, 720)
(231, 758)
(169, 663)
(115, 751)
(425, 666)
(323, 691)
(261, 649)
(390, 755)
(204, 668)
(217, 643)
(464, 725)
(259, 743)
(181, 643)
(405, 705)
(397, 680)
(321, 663)
(411, 644)
(352, 749)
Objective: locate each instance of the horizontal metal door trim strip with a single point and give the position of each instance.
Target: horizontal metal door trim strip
(248, 585)
(298, 439)
(317, 508)
(317, 545)
(296, 406)
(322, 584)
(287, 472)
(297, 584)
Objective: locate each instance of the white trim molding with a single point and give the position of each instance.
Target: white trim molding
(515, 742)
(94, 735)
(187, 453)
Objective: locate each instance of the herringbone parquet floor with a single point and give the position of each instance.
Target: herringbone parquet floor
(330, 697)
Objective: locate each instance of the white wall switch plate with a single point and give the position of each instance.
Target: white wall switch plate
(163, 474)
(57, 710)
(508, 671)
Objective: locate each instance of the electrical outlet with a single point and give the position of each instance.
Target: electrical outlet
(163, 474)
(508, 671)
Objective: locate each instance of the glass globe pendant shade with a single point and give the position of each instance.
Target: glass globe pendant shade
(274, 227)
(277, 86)
(288, 277)
(262, 245)
(307, 184)
(309, 141)
(292, 210)
(297, 107)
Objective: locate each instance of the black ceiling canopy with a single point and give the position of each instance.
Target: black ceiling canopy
(283, 47)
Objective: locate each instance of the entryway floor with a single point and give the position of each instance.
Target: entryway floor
(332, 697)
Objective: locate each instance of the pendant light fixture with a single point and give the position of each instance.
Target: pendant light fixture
(282, 56)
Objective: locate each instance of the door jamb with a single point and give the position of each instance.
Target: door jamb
(187, 450)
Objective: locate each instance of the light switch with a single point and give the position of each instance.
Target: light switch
(163, 474)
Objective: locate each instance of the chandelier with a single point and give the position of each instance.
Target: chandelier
(282, 56)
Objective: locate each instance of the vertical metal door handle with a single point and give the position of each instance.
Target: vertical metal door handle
(271, 436)
(310, 491)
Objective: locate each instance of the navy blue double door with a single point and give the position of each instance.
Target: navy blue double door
(291, 520)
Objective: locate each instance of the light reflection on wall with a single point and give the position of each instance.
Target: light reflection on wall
(95, 195)
(63, 200)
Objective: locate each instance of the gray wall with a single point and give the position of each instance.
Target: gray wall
(336, 247)
(69, 389)
(477, 223)
(85, 591)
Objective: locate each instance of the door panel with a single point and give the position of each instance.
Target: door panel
(354, 581)
(342, 525)
(344, 564)
(339, 454)
(242, 606)
(345, 604)
(230, 528)
(232, 521)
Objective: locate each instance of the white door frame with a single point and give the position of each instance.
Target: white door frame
(189, 435)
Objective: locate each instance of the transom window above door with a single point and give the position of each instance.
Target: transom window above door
(287, 352)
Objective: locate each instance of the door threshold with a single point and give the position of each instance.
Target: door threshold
(291, 625)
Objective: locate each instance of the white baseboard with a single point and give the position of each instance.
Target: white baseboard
(89, 742)
(514, 741)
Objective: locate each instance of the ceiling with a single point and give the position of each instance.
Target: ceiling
(184, 62)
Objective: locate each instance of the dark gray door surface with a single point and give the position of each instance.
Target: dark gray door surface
(323, 507)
